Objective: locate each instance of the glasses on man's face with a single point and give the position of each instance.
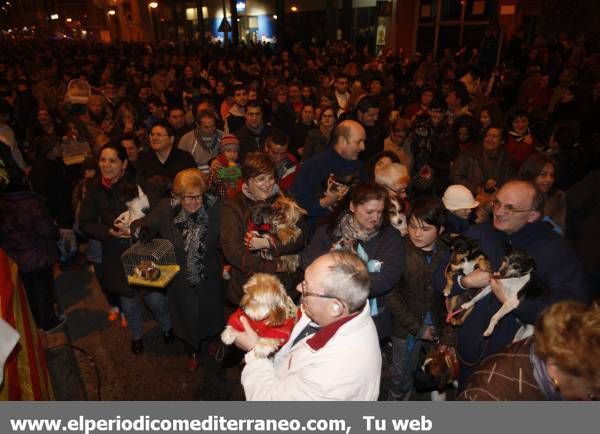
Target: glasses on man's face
(195, 198)
(158, 135)
(306, 293)
(401, 192)
(497, 205)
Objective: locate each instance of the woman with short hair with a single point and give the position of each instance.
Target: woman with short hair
(243, 245)
(196, 295)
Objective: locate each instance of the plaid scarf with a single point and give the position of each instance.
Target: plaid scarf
(194, 230)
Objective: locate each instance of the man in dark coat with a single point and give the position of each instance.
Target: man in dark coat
(253, 134)
(516, 212)
(323, 180)
(164, 161)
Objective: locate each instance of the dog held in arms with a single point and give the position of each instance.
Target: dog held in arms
(269, 311)
(516, 276)
(137, 205)
(465, 257)
(398, 216)
(279, 219)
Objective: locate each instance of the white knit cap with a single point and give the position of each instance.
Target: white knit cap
(458, 197)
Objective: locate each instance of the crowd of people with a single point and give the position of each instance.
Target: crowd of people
(388, 157)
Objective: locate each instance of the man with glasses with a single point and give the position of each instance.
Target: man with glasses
(160, 165)
(333, 351)
(515, 223)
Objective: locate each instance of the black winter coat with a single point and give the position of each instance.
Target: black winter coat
(27, 232)
(100, 207)
(196, 311)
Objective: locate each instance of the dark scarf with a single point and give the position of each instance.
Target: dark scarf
(193, 229)
(348, 229)
(542, 377)
(208, 143)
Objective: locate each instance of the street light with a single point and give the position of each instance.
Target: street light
(151, 6)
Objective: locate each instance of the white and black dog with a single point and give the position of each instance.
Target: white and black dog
(397, 216)
(137, 206)
(516, 275)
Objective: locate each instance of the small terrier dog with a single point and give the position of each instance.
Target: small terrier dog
(516, 273)
(281, 220)
(397, 216)
(269, 311)
(465, 257)
(137, 206)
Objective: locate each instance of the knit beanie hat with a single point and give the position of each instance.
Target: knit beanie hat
(458, 197)
(229, 141)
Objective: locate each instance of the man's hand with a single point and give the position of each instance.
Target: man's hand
(334, 192)
(247, 339)
(498, 290)
(476, 279)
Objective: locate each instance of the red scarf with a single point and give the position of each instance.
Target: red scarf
(106, 183)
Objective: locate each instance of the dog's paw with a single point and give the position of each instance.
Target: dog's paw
(228, 335)
(264, 347)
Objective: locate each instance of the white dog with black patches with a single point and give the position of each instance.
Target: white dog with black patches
(515, 273)
(397, 216)
(137, 207)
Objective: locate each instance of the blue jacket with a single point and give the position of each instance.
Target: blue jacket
(557, 269)
(311, 181)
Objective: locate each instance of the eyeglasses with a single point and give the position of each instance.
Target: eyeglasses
(196, 198)
(399, 192)
(306, 293)
(158, 135)
(496, 204)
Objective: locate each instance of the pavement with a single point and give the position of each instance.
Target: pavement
(89, 357)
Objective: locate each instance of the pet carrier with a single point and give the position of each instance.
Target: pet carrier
(151, 264)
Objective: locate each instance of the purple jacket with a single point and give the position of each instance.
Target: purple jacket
(27, 232)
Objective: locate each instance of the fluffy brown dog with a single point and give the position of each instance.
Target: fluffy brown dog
(280, 219)
(286, 215)
(269, 311)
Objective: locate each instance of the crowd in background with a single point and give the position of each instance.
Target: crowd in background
(212, 133)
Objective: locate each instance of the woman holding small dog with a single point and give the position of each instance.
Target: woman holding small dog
(362, 225)
(560, 362)
(244, 242)
(102, 204)
(196, 295)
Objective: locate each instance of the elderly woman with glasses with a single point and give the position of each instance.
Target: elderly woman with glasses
(190, 220)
